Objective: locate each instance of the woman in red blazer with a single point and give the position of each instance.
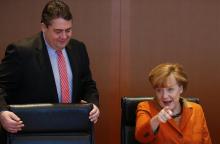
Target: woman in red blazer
(170, 119)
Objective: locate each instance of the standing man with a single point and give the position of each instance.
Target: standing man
(49, 67)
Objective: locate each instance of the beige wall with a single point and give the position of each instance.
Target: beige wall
(126, 38)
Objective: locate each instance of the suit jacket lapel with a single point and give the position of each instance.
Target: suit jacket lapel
(72, 55)
(45, 65)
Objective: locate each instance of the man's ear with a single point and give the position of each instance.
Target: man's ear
(43, 27)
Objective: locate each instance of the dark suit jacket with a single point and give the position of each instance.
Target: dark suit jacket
(26, 74)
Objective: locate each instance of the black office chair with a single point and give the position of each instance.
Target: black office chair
(128, 116)
(53, 124)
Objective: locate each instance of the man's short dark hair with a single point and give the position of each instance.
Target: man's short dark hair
(55, 9)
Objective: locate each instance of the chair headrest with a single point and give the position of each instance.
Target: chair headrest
(53, 117)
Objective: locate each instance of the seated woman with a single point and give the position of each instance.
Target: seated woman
(169, 118)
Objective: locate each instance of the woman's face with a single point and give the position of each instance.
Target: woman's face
(169, 95)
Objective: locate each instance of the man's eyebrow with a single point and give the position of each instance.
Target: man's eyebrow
(63, 29)
(58, 29)
(69, 28)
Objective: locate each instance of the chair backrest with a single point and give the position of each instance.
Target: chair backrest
(53, 124)
(128, 116)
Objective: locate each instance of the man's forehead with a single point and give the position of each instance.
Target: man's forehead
(60, 23)
(60, 29)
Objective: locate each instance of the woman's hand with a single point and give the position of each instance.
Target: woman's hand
(164, 115)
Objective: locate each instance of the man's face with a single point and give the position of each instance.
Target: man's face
(58, 33)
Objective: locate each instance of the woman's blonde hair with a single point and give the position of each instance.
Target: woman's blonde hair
(158, 75)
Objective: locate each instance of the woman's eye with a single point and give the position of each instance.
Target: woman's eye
(158, 90)
(170, 89)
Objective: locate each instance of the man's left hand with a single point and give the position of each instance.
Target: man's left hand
(94, 114)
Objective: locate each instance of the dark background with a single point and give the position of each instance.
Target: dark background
(125, 39)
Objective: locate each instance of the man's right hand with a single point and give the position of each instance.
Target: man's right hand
(10, 122)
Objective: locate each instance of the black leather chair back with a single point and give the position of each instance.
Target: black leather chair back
(128, 116)
(53, 124)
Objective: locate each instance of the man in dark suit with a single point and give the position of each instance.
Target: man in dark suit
(31, 72)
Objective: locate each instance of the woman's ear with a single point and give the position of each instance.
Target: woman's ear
(181, 89)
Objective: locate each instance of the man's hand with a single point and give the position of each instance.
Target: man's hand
(94, 114)
(11, 122)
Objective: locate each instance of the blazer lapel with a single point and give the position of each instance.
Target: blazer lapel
(186, 115)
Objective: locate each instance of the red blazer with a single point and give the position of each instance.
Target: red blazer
(192, 128)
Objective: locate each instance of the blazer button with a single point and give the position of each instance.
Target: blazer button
(146, 134)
